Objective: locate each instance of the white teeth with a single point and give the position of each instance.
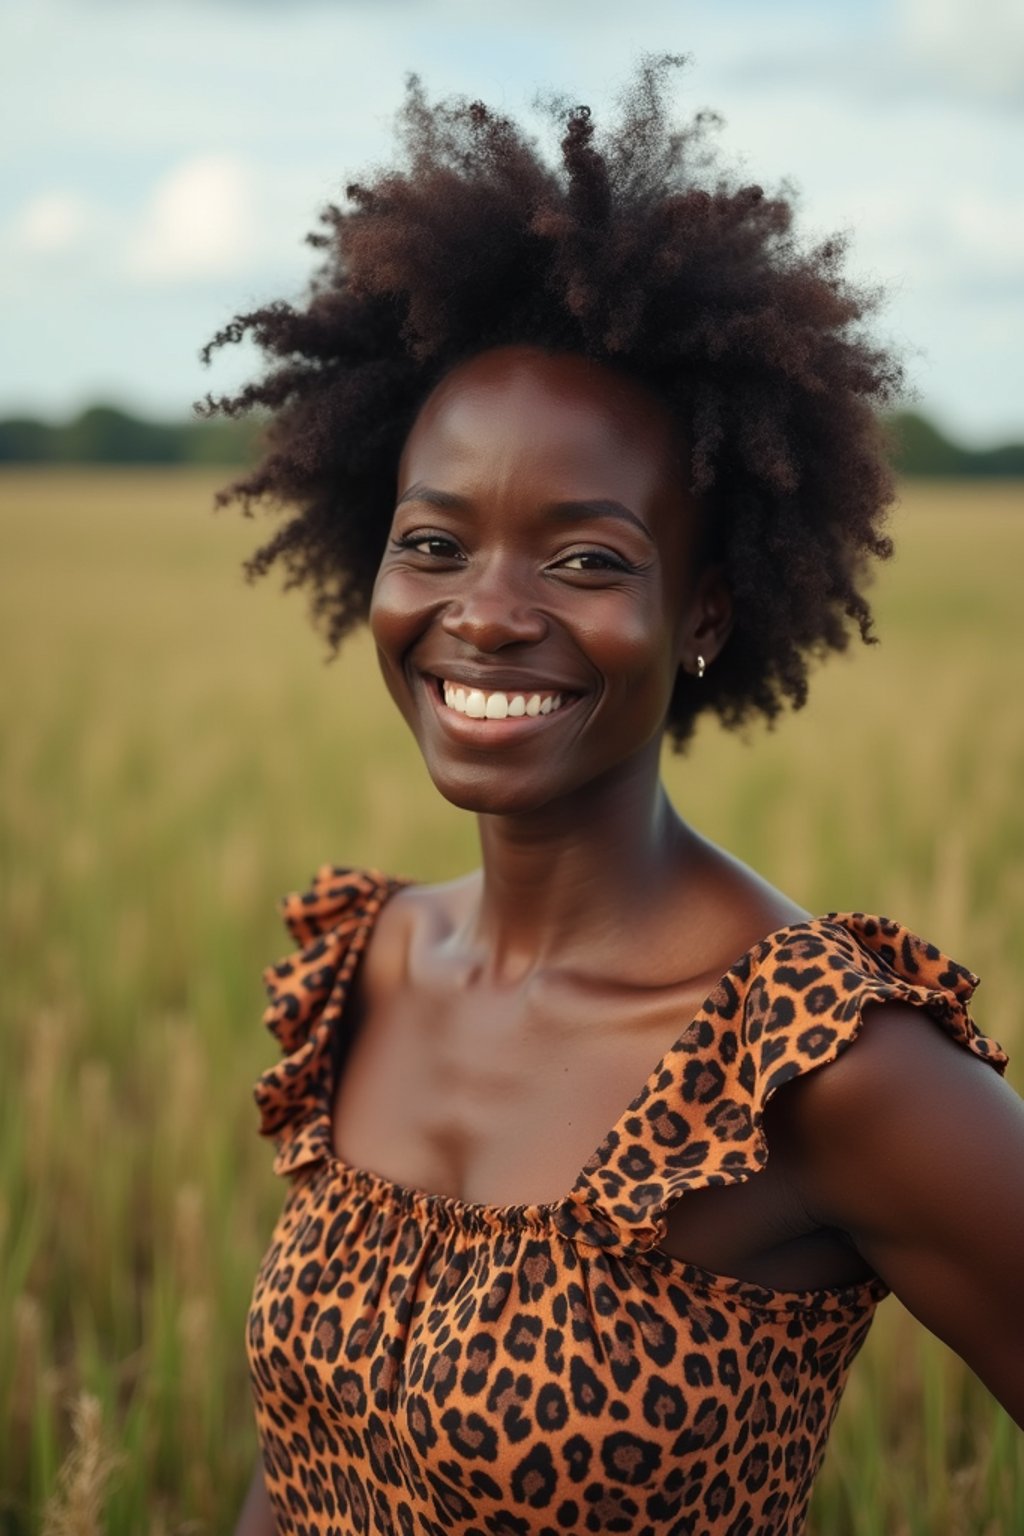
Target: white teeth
(498, 705)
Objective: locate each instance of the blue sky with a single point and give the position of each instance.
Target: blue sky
(162, 162)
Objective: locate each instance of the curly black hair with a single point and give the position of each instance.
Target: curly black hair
(636, 249)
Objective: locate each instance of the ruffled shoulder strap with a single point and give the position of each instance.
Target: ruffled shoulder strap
(331, 921)
(793, 1003)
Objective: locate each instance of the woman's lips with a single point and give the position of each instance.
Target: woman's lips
(500, 703)
(479, 714)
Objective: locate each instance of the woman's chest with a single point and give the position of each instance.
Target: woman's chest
(495, 1095)
(500, 1098)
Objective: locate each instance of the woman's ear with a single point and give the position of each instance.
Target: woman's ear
(710, 618)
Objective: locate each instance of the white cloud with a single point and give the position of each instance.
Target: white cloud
(51, 223)
(198, 223)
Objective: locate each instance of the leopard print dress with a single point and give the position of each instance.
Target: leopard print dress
(424, 1364)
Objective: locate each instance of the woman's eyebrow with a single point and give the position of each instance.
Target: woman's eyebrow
(446, 499)
(570, 510)
(562, 511)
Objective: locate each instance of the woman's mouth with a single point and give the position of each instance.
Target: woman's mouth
(499, 704)
(476, 715)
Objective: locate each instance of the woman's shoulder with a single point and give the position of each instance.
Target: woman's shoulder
(806, 988)
(400, 916)
(726, 908)
(888, 1013)
(911, 1141)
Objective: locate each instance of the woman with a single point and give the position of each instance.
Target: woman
(594, 449)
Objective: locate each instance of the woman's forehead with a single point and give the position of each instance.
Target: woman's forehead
(552, 414)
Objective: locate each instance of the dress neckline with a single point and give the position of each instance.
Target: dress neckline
(570, 1216)
(518, 1213)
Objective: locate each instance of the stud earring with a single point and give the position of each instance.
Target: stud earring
(700, 666)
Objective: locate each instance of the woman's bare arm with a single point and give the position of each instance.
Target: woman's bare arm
(916, 1149)
(257, 1516)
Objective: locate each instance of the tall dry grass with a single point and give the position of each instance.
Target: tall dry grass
(75, 1508)
(173, 756)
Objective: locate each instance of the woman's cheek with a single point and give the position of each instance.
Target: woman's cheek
(400, 612)
(397, 610)
(624, 634)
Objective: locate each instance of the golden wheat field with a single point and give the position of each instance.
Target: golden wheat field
(175, 755)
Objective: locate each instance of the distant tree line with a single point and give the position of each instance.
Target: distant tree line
(105, 435)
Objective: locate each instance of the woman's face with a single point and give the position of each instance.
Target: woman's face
(539, 591)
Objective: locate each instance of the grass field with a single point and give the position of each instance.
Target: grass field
(174, 756)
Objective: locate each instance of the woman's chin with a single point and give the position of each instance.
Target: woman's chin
(484, 795)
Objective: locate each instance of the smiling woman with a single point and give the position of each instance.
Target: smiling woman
(593, 449)
(540, 563)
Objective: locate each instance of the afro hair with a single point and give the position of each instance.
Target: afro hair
(633, 248)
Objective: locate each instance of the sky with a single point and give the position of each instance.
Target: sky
(162, 162)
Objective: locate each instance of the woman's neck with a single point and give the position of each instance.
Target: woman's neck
(558, 883)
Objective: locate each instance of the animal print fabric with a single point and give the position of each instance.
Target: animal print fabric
(423, 1364)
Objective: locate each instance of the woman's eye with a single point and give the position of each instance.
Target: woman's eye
(434, 544)
(593, 560)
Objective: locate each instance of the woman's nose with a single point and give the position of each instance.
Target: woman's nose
(493, 609)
